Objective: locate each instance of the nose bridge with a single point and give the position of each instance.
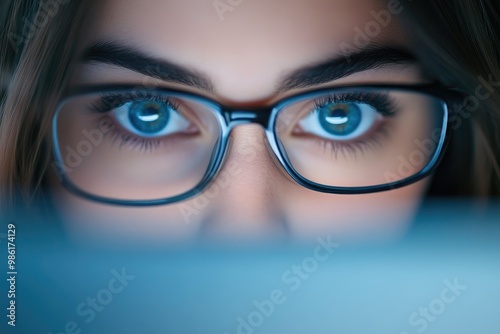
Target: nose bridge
(248, 201)
(261, 117)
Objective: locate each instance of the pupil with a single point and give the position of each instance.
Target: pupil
(149, 117)
(340, 119)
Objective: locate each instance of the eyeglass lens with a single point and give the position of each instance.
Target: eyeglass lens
(146, 145)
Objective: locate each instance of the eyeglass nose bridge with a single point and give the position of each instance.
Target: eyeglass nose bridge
(235, 117)
(263, 117)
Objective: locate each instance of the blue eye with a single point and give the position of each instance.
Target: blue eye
(149, 116)
(340, 119)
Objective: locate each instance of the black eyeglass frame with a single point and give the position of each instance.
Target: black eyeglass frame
(228, 118)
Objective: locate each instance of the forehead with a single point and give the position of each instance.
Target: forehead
(233, 40)
(284, 23)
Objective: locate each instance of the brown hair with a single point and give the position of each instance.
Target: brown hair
(34, 61)
(457, 41)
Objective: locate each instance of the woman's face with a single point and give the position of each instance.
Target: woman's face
(240, 53)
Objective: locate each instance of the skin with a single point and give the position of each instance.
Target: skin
(245, 56)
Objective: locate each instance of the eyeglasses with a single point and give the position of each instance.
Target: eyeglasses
(128, 146)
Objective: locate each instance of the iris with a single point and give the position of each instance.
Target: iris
(149, 116)
(340, 119)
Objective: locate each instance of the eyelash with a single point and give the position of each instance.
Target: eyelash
(380, 102)
(109, 102)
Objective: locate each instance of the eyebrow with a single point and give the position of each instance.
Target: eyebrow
(137, 61)
(372, 57)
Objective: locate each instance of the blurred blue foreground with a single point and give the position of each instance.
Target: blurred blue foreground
(443, 278)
